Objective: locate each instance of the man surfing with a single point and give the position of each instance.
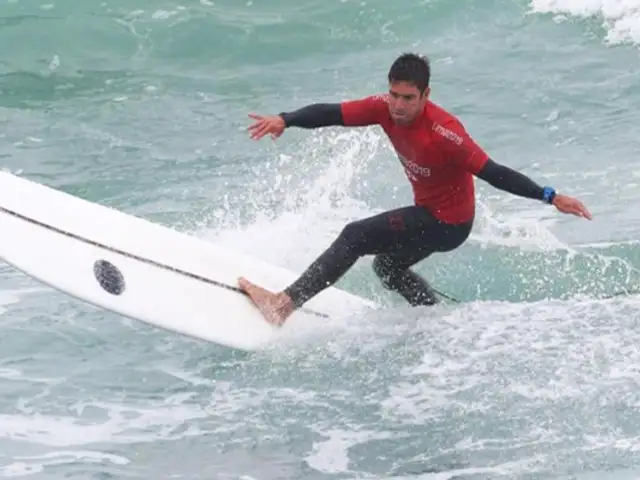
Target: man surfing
(439, 158)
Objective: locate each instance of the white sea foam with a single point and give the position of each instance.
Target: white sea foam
(621, 18)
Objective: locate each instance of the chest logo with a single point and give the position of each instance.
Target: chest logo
(446, 133)
(413, 170)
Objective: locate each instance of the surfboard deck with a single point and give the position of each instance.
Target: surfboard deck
(144, 270)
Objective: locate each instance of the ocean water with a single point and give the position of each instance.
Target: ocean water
(144, 106)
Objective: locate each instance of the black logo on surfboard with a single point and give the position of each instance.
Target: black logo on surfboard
(109, 277)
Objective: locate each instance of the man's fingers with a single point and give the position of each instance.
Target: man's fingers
(258, 127)
(261, 131)
(574, 207)
(255, 125)
(583, 210)
(580, 210)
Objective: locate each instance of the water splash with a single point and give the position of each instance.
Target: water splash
(621, 18)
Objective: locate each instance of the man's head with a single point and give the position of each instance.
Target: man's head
(408, 87)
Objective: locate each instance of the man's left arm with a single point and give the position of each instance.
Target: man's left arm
(505, 178)
(512, 181)
(464, 151)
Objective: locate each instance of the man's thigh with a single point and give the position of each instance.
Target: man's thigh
(397, 231)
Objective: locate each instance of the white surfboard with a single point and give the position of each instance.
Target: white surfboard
(144, 270)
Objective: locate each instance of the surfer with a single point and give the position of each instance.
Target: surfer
(439, 158)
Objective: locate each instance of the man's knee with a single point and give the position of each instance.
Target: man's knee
(379, 265)
(352, 238)
(400, 279)
(385, 270)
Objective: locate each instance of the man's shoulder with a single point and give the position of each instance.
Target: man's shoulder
(445, 125)
(368, 110)
(440, 115)
(380, 97)
(373, 99)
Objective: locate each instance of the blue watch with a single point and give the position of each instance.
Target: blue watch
(548, 194)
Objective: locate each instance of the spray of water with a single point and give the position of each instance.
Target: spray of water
(620, 18)
(299, 199)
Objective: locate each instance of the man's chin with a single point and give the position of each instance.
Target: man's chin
(400, 120)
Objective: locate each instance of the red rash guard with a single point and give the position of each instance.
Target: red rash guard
(438, 155)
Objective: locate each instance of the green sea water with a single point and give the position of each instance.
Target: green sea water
(143, 106)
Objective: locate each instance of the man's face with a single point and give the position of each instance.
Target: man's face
(405, 102)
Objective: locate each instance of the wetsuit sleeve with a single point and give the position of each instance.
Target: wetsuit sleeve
(467, 154)
(365, 111)
(314, 116)
(509, 180)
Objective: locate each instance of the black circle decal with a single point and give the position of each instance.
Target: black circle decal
(109, 277)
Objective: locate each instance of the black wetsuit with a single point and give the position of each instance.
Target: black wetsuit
(398, 238)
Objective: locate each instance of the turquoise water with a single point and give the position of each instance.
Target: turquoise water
(143, 106)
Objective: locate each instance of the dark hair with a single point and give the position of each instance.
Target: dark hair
(411, 68)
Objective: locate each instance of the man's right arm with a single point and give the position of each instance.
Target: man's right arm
(314, 116)
(353, 113)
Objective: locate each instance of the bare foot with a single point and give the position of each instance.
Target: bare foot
(275, 307)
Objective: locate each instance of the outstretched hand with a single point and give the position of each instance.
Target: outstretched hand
(571, 205)
(266, 125)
